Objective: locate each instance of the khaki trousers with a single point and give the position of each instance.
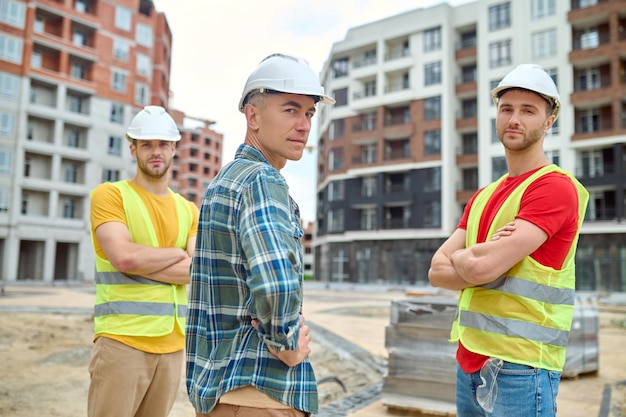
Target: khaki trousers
(127, 382)
(229, 410)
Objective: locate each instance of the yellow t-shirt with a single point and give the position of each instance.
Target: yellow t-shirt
(107, 206)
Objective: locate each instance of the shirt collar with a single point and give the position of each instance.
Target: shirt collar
(251, 153)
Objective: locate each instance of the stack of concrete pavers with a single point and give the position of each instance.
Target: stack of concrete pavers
(421, 371)
(582, 349)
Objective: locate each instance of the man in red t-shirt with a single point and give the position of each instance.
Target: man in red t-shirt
(512, 257)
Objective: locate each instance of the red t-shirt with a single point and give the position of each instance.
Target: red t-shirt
(550, 203)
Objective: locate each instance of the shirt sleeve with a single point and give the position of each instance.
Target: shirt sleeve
(270, 246)
(195, 212)
(550, 202)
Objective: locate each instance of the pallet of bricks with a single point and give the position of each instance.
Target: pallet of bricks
(421, 374)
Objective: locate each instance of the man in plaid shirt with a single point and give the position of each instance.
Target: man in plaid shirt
(247, 344)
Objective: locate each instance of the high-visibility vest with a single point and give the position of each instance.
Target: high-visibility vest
(525, 315)
(134, 305)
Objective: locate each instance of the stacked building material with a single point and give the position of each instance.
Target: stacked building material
(582, 348)
(421, 371)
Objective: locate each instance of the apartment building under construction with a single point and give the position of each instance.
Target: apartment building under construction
(73, 73)
(412, 135)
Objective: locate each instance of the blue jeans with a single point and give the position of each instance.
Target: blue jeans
(521, 391)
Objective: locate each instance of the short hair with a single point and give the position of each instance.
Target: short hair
(256, 98)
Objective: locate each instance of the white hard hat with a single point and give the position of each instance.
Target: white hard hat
(284, 74)
(534, 78)
(153, 123)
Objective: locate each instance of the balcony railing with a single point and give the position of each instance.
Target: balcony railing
(396, 223)
(599, 171)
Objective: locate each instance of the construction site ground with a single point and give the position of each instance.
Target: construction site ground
(46, 338)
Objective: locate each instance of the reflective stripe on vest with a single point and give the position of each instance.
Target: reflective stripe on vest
(524, 316)
(136, 305)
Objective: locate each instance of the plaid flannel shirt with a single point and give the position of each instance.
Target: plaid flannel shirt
(247, 265)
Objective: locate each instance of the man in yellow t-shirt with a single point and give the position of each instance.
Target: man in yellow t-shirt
(143, 237)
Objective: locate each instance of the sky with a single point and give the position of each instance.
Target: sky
(217, 44)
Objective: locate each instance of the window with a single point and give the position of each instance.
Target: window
(9, 84)
(40, 24)
(468, 73)
(470, 143)
(121, 49)
(341, 67)
(144, 66)
(24, 207)
(432, 39)
(432, 73)
(468, 39)
(432, 179)
(590, 121)
(368, 153)
(75, 104)
(144, 35)
(123, 18)
(336, 191)
(336, 129)
(70, 173)
(335, 220)
(494, 132)
(589, 79)
(544, 44)
(498, 167)
(500, 53)
(68, 208)
(368, 121)
(368, 219)
(553, 156)
(432, 214)
(341, 97)
(432, 142)
(7, 124)
(6, 162)
(77, 70)
(368, 186)
(542, 8)
(335, 159)
(73, 138)
(117, 113)
(79, 38)
(499, 16)
(469, 108)
(589, 38)
(10, 48)
(110, 175)
(432, 108)
(142, 94)
(4, 200)
(118, 81)
(115, 145)
(13, 13)
(81, 6)
(35, 59)
(369, 88)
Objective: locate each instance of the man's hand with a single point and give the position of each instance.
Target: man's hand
(292, 358)
(505, 230)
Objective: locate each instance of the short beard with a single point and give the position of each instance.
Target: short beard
(143, 167)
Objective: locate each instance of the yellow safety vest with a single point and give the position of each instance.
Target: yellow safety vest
(525, 315)
(134, 305)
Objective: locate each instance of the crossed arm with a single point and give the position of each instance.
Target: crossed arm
(456, 267)
(168, 265)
